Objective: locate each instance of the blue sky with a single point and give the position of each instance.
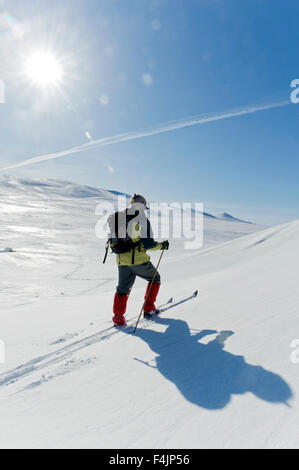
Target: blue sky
(132, 64)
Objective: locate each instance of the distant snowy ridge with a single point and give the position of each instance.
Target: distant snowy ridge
(118, 193)
(54, 187)
(231, 218)
(67, 189)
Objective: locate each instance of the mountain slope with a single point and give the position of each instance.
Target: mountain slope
(213, 372)
(51, 226)
(50, 187)
(231, 218)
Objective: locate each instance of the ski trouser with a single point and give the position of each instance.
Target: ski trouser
(128, 274)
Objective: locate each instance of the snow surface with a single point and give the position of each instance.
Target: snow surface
(214, 372)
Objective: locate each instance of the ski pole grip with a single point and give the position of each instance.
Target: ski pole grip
(106, 254)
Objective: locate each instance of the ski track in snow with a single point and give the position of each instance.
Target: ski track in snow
(68, 367)
(64, 353)
(54, 357)
(67, 351)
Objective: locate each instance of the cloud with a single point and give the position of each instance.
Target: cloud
(158, 129)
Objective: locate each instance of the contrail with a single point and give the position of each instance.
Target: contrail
(159, 129)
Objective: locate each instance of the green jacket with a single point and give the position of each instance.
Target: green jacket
(138, 254)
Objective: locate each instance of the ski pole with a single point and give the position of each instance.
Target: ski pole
(145, 300)
(106, 253)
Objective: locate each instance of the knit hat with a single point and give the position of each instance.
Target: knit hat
(137, 198)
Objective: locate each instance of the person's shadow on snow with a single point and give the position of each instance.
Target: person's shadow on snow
(206, 374)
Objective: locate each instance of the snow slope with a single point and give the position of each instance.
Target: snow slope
(214, 372)
(51, 226)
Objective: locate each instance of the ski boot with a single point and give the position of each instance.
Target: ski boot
(149, 315)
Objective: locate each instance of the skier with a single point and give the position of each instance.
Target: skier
(135, 261)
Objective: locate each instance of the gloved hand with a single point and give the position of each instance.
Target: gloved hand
(165, 245)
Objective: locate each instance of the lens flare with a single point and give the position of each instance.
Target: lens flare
(43, 69)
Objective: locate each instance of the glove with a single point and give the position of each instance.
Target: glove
(165, 245)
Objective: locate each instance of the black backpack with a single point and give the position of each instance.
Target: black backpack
(119, 240)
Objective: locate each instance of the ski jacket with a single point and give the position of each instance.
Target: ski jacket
(138, 254)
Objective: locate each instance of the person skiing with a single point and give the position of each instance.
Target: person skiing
(135, 261)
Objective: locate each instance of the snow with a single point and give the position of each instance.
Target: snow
(213, 372)
(226, 216)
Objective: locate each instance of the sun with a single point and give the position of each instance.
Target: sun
(43, 69)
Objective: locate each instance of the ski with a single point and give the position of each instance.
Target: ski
(175, 304)
(128, 328)
(170, 301)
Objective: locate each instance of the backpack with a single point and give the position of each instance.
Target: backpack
(119, 240)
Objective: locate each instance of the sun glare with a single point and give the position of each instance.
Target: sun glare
(43, 69)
